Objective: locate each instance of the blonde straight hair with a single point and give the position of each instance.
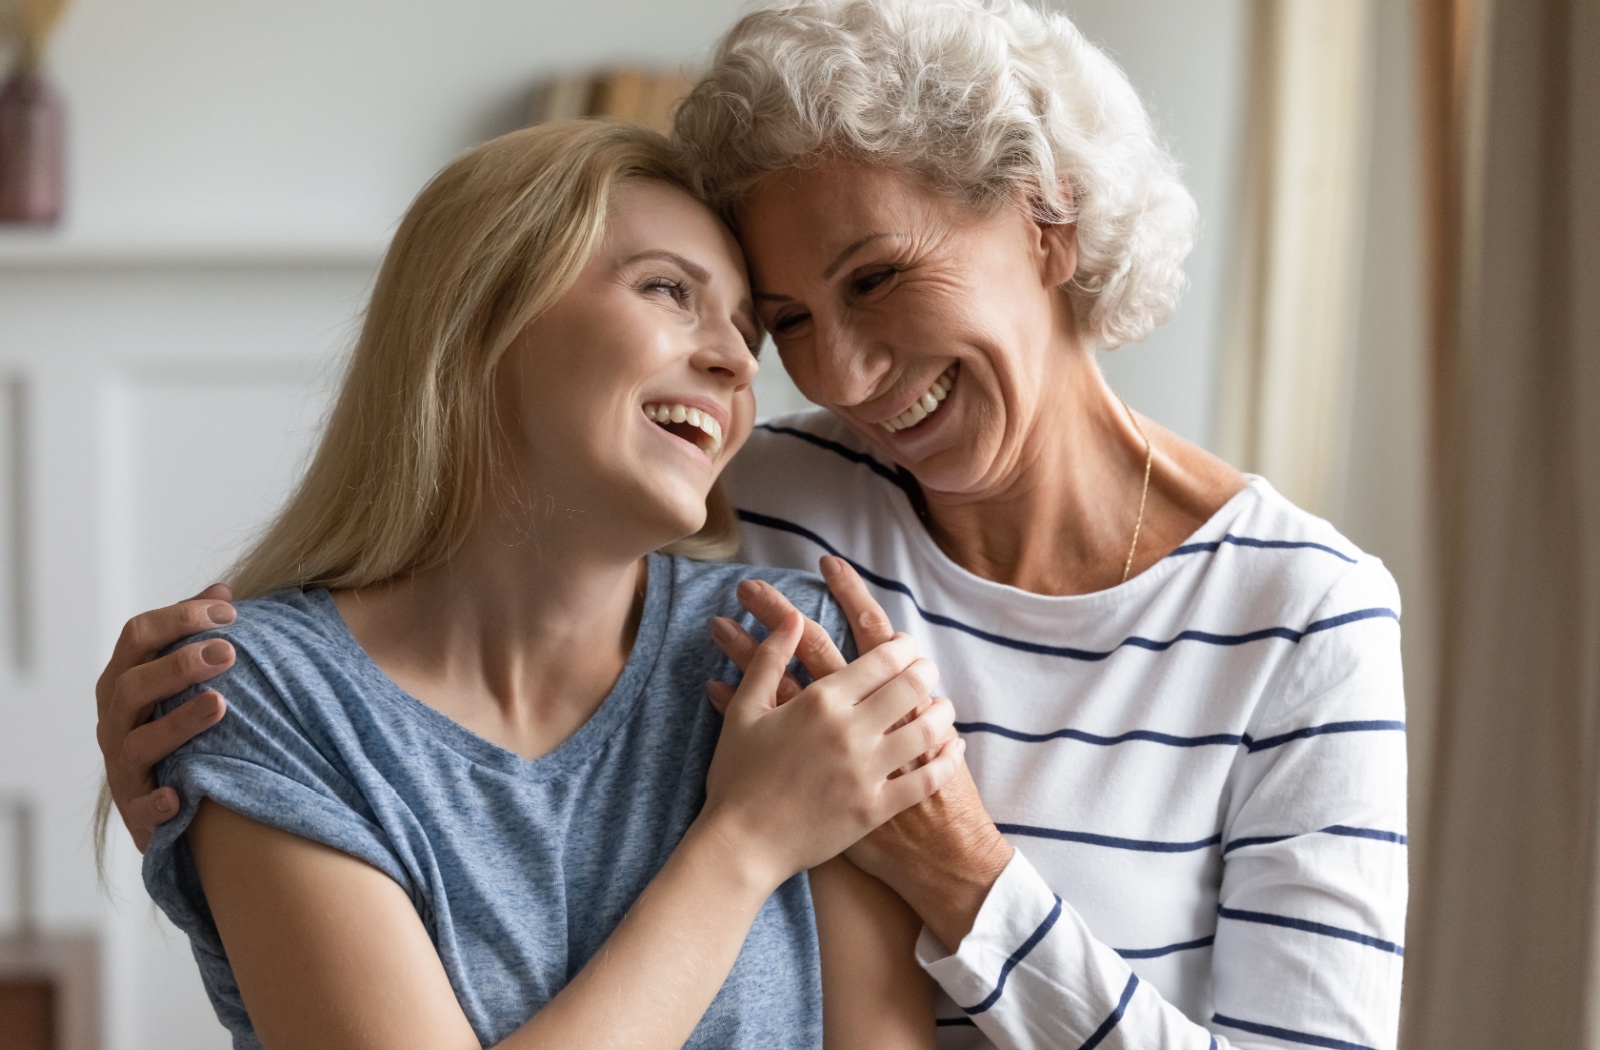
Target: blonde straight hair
(412, 452)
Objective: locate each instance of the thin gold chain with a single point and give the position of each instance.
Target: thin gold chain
(1144, 494)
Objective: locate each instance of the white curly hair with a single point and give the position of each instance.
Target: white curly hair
(993, 101)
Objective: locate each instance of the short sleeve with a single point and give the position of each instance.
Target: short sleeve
(272, 761)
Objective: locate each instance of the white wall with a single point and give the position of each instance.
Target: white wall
(306, 126)
(1187, 60)
(236, 169)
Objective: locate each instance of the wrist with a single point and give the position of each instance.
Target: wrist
(949, 893)
(737, 859)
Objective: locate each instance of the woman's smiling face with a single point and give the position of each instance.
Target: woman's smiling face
(630, 394)
(932, 330)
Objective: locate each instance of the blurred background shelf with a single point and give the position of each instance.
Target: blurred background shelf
(49, 993)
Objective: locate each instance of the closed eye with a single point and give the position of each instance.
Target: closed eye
(677, 290)
(870, 281)
(787, 323)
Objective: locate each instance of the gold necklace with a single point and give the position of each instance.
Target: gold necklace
(1149, 457)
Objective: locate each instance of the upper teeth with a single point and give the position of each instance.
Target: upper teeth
(926, 405)
(663, 413)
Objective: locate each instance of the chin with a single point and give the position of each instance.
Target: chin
(677, 520)
(956, 469)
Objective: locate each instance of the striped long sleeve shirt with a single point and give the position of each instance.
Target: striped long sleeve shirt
(1202, 769)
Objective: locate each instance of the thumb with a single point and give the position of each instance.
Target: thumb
(758, 692)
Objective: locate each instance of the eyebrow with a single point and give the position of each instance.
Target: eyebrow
(833, 267)
(699, 273)
(850, 250)
(693, 269)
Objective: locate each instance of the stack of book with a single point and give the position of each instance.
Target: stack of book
(641, 96)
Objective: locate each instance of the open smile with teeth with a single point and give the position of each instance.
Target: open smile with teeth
(926, 405)
(700, 429)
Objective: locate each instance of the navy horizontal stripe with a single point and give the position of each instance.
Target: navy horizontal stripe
(1363, 726)
(1228, 739)
(1251, 541)
(945, 1022)
(1365, 833)
(1256, 840)
(1304, 1038)
(1016, 957)
(1116, 1015)
(1332, 829)
(1111, 841)
(1307, 926)
(894, 477)
(879, 468)
(1288, 634)
(1171, 949)
(1213, 739)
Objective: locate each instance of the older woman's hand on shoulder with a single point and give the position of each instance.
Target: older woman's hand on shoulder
(135, 679)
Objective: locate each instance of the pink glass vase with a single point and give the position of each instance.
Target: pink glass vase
(32, 151)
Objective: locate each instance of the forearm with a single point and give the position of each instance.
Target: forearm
(874, 994)
(941, 856)
(651, 982)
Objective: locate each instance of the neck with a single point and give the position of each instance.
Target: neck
(1060, 517)
(519, 636)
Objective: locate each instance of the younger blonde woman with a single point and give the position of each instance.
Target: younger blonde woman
(469, 791)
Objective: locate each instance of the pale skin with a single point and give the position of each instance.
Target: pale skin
(873, 284)
(520, 638)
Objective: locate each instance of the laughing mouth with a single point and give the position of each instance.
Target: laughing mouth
(927, 404)
(698, 428)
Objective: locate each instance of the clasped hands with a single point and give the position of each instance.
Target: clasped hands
(941, 855)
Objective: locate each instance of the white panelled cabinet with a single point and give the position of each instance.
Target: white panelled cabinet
(156, 408)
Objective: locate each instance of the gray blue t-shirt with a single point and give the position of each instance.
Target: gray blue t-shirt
(520, 869)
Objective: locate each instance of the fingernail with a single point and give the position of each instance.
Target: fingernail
(746, 587)
(214, 653)
(164, 804)
(221, 614)
(722, 629)
(208, 704)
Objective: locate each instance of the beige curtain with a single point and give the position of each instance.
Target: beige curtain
(1503, 947)
(1291, 315)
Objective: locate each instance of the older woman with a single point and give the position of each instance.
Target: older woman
(1181, 694)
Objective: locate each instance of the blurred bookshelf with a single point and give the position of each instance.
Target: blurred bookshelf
(639, 96)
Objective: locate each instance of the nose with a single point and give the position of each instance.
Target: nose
(847, 366)
(725, 354)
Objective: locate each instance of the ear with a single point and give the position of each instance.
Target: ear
(1057, 245)
(1058, 252)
